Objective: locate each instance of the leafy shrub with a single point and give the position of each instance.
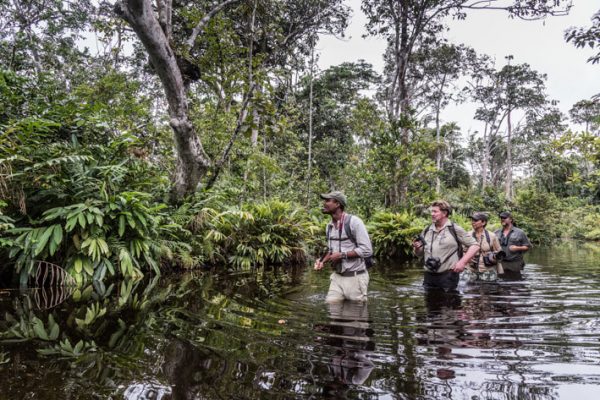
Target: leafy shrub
(269, 233)
(392, 233)
(579, 221)
(83, 208)
(89, 239)
(537, 213)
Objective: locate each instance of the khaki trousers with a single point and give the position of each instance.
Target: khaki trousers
(348, 287)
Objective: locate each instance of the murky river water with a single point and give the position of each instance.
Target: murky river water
(271, 336)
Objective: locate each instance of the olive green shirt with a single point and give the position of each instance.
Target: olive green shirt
(442, 244)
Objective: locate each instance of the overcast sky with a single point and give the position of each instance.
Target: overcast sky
(538, 43)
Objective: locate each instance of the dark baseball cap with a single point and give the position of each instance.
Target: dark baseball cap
(335, 195)
(479, 216)
(505, 214)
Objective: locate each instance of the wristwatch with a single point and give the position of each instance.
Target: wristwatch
(344, 255)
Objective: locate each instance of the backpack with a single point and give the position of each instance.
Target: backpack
(452, 230)
(369, 262)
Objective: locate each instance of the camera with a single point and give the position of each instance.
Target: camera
(420, 238)
(493, 257)
(433, 263)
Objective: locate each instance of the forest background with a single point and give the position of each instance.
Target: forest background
(200, 133)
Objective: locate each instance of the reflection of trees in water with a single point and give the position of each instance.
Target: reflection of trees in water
(219, 337)
(201, 334)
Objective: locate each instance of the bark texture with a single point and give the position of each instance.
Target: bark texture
(192, 160)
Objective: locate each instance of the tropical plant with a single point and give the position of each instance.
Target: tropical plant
(392, 234)
(255, 235)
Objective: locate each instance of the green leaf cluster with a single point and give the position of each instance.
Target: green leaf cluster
(392, 234)
(254, 235)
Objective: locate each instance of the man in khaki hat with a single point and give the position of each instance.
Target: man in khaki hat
(348, 246)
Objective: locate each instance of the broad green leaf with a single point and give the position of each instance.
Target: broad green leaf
(81, 220)
(54, 332)
(121, 225)
(87, 266)
(38, 328)
(78, 347)
(78, 265)
(71, 223)
(43, 240)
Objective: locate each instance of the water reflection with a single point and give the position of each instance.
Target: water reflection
(270, 335)
(348, 338)
(47, 298)
(511, 276)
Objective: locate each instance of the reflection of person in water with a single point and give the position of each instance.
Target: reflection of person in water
(350, 336)
(440, 302)
(441, 331)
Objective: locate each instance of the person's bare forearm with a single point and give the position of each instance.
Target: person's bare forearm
(461, 264)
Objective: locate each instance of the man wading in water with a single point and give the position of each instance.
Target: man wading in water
(514, 242)
(348, 246)
(441, 245)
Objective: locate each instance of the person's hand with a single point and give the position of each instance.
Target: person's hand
(459, 267)
(318, 265)
(417, 247)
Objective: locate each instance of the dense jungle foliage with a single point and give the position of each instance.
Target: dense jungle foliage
(116, 160)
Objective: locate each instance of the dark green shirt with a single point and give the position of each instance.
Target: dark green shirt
(515, 237)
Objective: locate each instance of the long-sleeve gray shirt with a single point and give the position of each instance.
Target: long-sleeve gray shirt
(362, 247)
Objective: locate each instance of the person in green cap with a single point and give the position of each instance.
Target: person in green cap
(348, 246)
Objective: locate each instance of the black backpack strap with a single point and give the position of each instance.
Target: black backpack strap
(453, 232)
(347, 229)
(426, 231)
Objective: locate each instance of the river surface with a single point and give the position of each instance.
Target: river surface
(271, 336)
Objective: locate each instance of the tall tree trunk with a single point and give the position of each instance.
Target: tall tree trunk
(486, 157)
(438, 134)
(438, 155)
(255, 114)
(310, 122)
(509, 181)
(255, 125)
(192, 161)
(264, 169)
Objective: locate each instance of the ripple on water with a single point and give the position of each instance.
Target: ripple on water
(257, 336)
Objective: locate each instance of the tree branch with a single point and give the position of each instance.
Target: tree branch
(205, 20)
(241, 117)
(165, 12)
